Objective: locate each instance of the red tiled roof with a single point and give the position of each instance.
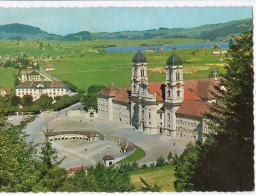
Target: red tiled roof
(193, 108)
(202, 87)
(190, 96)
(108, 91)
(6, 89)
(158, 89)
(75, 169)
(122, 95)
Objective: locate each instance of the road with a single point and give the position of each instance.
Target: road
(153, 145)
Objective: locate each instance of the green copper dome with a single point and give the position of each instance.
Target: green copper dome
(174, 60)
(139, 58)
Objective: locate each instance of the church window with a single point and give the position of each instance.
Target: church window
(134, 88)
(169, 116)
(142, 73)
(178, 93)
(161, 116)
(178, 76)
(149, 115)
(169, 93)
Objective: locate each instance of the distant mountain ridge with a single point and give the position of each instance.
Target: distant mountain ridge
(213, 32)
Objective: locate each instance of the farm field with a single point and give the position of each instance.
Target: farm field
(161, 176)
(104, 67)
(82, 65)
(7, 77)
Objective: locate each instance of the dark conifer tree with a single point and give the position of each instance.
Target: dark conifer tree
(226, 159)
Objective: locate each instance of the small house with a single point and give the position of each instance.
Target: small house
(5, 91)
(49, 67)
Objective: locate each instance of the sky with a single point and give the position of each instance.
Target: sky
(64, 21)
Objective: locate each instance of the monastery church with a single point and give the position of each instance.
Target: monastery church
(174, 107)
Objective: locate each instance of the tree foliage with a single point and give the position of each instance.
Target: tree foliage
(27, 100)
(89, 101)
(225, 160)
(185, 167)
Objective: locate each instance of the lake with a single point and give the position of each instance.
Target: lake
(165, 47)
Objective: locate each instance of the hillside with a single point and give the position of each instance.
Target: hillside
(214, 32)
(21, 31)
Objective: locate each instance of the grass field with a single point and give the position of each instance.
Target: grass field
(138, 154)
(7, 77)
(83, 67)
(162, 176)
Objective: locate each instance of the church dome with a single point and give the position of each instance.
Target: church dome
(139, 58)
(174, 60)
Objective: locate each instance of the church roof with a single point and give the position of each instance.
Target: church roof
(202, 87)
(174, 60)
(139, 58)
(122, 95)
(190, 96)
(108, 91)
(193, 108)
(158, 89)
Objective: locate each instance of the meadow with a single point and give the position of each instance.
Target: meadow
(164, 177)
(81, 63)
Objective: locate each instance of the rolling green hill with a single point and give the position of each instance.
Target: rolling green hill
(214, 32)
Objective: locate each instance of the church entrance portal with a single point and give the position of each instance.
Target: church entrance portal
(161, 130)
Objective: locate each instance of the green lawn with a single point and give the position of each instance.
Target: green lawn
(162, 176)
(7, 77)
(83, 67)
(138, 154)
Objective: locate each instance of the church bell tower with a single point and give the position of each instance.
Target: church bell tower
(174, 86)
(139, 74)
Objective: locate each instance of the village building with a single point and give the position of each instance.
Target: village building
(29, 75)
(174, 107)
(49, 67)
(5, 91)
(71, 172)
(38, 88)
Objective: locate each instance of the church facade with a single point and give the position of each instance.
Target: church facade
(175, 107)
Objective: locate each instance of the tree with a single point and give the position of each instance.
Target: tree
(45, 102)
(27, 100)
(149, 188)
(71, 86)
(185, 167)
(51, 177)
(89, 101)
(225, 161)
(230, 43)
(160, 161)
(17, 163)
(94, 89)
(111, 179)
(15, 100)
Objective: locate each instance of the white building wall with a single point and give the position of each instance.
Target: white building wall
(189, 127)
(103, 107)
(37, 92)
(121, 112)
